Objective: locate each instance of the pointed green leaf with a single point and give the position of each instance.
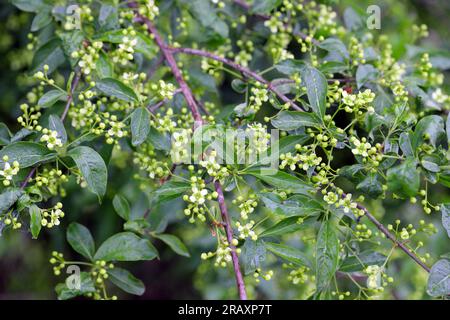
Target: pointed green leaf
(140, 126)
(92, 168)
(80, 238)
(126, 246)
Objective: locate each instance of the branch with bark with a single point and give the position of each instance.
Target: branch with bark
(191, 102)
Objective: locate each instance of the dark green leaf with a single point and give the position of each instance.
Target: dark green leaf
(286, 226)
(140, 126)
(114, 88)
(291, 120)
(253, 253)
(126, 246)
(92, 168)
(40, 20)
(445, 210)
(404, 179)
(8, 198)
(334, 45)
(122, 207)
(361, 261)
(104, 67)
(50, 98)
(80, 238)
(371, 185)
(365, 74)
(174, 243)
(297, 205)
(50, 54)
(327, 254)
(431, 126)
(171, 190)
(289, 254)
(126, 281)
(55, 124)
(439, 279)
(316, 89)
(264, 6)
(26, 153)
(35, 220)
(284, 181)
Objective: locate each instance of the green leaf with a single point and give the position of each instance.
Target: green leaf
(253, 253)
(35, 220)
(50, 54)
(122, 207)
(174, 243)
(92, 168)
(289, 254)
(297, 205)
(126, 246)
(365, 74)
(431, 126)
(290, 67)
(126, 281)
(447, 127)
(284, 181)
(55, 124)
(316, 89)
(104, 66)
(26, 153)
(205, 13)
(80, 239)
(361, 261)
(140, 126)
(8, 198)
(445, 210)
(50, 98)
(404, 179)
(86, 285)
(114, 88)
(371, 185)
(285, 226)
(5, 134)
(439, 279)
(291, 120)
(353, 21)
(264, 6)
(29, 5)
(171, 190)
(334, 45)
(42, 19)
(327, 255)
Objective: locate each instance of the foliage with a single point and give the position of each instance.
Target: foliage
(119, 90)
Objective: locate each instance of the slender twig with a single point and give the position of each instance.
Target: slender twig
(190, 100)
(73, 86)
(173, 66)
(226, 219)
(239, 68)
(390, 236)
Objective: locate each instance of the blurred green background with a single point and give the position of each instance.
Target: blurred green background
(24, 269)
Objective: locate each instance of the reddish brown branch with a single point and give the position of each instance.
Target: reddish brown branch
(190, 100)
(229, 232)
(239, 68)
